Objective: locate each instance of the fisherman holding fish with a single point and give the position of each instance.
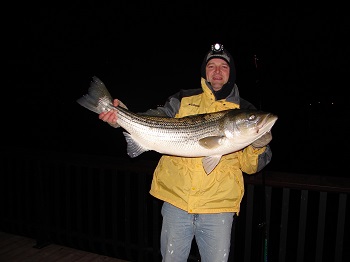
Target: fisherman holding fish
(197, 204)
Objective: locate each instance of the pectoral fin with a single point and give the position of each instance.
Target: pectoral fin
(133, 149)
(211, 142)
(210, 162)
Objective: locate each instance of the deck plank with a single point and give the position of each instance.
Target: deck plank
(15, 248)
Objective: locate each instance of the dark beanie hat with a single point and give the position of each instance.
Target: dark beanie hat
(217, 51)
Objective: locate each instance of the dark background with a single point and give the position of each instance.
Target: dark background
(146, 51)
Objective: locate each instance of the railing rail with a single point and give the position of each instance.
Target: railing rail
(101, 204)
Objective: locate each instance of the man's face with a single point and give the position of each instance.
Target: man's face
(217, 73)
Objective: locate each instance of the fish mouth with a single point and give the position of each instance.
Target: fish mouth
(267, 123)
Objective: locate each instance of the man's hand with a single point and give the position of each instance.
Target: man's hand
(110, 117)
(262, 141)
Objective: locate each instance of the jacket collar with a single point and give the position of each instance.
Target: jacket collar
(233, 96)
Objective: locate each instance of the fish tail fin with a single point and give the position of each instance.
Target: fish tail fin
(98, 99)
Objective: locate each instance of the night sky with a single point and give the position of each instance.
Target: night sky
(145, 52)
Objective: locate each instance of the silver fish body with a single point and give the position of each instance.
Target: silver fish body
(209, 136)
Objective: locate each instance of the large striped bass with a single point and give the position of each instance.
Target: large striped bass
(210, 135)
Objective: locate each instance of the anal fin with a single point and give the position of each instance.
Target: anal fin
(133, 148)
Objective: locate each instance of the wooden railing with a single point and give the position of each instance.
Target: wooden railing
(101, 204)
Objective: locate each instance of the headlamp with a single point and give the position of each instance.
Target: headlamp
(217, 48)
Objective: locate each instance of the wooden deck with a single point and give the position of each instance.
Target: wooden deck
(21, 249)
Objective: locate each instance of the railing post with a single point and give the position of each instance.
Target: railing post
(42, 234)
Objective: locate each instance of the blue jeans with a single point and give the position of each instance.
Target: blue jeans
(211, 231)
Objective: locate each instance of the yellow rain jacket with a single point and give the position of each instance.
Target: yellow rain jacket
(183, 182)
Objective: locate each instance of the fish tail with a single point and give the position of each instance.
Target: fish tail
(98, 99)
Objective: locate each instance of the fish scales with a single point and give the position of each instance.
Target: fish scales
(157, 130)
(209, 136)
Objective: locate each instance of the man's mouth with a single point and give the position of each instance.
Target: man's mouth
(217, 78)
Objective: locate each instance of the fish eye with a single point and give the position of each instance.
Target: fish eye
(252, 117)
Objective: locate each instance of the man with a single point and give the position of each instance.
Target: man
(196, 204)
